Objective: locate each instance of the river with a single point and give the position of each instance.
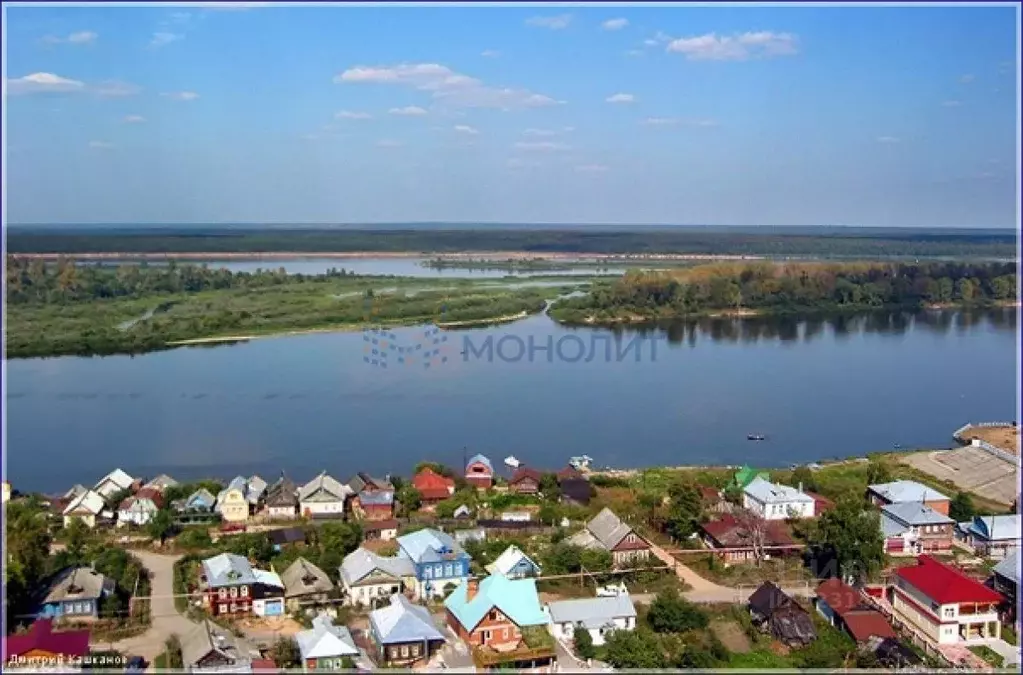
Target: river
(816, 387)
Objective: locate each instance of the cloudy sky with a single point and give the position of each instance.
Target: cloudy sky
(675, 115)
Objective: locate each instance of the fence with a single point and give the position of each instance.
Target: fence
(984, 445)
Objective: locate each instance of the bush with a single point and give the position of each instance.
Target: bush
(670, 613)
(583, 642)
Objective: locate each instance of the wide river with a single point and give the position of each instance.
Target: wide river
(815, 387)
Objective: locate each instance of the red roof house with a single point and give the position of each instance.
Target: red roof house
(733, 542)
(821, 503)
(846, 609)
(525, 481)
(569, 472)
(40, 645)
(432, 486)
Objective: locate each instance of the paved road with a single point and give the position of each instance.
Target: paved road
(166, 620)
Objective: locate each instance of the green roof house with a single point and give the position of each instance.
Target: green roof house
(746, 475)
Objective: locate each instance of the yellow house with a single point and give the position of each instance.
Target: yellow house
(86, 507)
(232, 504)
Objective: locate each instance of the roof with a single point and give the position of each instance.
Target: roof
(401, 621)
(1009, 568)
(523, 473)
(906, 491)
(325, 640)
(893, 653)
(208, 637)
(768, 599)
(152, 503)
(729, 532)
(362, 562)
(592, 612)
(302, 577)
(577, 489)
(282, 493)
(78, 583)
(508, 559)
(996, 528)
(362, 481)
(227, 569)
(202, 494)
(709, 494)
(286, 535)
(432, 485)
(570, 472)
(773, 493)
(377, 525)
(867, 623)
(326, 483)
(89, 501)
(461, 511)
(840, 596)
(944, 584)
(429, 545)
(480, 459)
(40, 637)
(821, 503)
(515, 598)
(76, 490)
(376, 498)
(791, 623)
(746, 474)
(914, 513)
(608, 529)
(161, 482)
(118, 478)
(268, 578)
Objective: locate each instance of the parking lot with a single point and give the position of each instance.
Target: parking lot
(971, 469)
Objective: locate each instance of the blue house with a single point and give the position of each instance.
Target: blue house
(440, 562)
(75, 594)
(200, 500)
(514, 564)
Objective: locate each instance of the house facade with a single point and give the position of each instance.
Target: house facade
(598, 616)
(525, 481)
(281, 499)
(772, 501)
(432, 487)
(943, 604)
(404, 634)
(326, 646)
(993, 536)
(385, 530)
(912, 528)
(606, 531)
(112, 483)
(440, 562)
(210, 648)
(230, 585)
(374, 504)
(305, 585)
(514, 564)
(479, 472)
(730, 539)
(323, 497)
(903, 491)
(232, 504)
(1005, 580)
(75, 594)
(140, 508)
(369, 580)
(87, 507)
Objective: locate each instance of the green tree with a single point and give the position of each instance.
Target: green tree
(583, 643)
(685, 509)
(27, 548)
(803, 475)
(549, 514)
(633, 649)
(410, 499)
(161, 526)
(194, 538)
(966, 290)
(595, 560)
(563, 558)
(175, 660)
(961, 507)
(696, 657)
(549, 487)
(878, 472)
(670, 613)
(77, 537)
(285, 653)
(831, 649)
(847, 540)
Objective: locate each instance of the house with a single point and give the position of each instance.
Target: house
(463, 512)
(993, 536)
(281, 499)
(404, 634)
(326, 646)
(599, 616)
(432, 486)
(369, 579)
(323, 497)
(112, 483)
(200, 501)
(479, 472)
(576, 491)
(772, 501)
(140, 508)
(75, 594)
(232, 504)
(514, 564)
(286, 536)
(363, 482)
(86, 507)
(493, 615)
(776, 613)
(41, 649)
(77, 490)
(1005, 580)
(606, 531)
(913, 528)
(844, 608)
(569, 473)
(305, 584)
(943, 604)
(231, 586)
(374, 504)
(745, 476)
(255, 488)
(439, 561)
(820, 503)
(731, 540)
(385, 530)
(713, 500)
(209, 648)
(525, 481)
(462, 537)
(902, 491)
(160, 483)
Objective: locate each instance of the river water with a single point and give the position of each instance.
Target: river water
(817, 387)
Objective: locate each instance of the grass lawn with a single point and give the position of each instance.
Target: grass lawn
(1009, 635)
(759, 659)
(160, 662)
(789, 570)
(989, 655)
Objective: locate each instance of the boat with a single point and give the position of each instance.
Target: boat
(755, 437)
(512, 462)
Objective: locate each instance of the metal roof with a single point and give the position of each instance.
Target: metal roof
(508, 559)
(78, 583)
(608, 529)
(302, 577)
(89, 501)
(325, 640)
(592, 612)
(361, 562)
(401, 622)
(482, 459)
(996, 528)
(515, 598)
(376, 497)
(118, 478)
(326, 483)
(773, 493)
(906, 491)
(429, 545)
(914, 514)
(1009, 568)
(209, 637)
(227, 569)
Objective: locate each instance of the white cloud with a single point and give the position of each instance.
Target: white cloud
(740, 47)
(351, 115)
(614, 24)
(966, 79)
(82, 37)
(543, 146)
(650, 42)
(181, 95)
(951, 104)
(466, 129)
(409, 110)
(634, 52)
(552, 22)
(115, 89)
(887, 139)
(490, 53)
(592, 168)
(388, 143)
(164, 39)
(446, 86)
(539, 132)
(134, 119)
(100, 145)
(621, 98)
(678, 121)
(43, 83)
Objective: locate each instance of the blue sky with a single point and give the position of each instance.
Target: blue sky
(690, 115)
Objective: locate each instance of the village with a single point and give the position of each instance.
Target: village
(861, 563)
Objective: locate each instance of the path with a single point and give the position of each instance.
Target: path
(166, 620)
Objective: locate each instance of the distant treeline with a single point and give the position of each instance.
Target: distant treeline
(790, 287)
(851, 242)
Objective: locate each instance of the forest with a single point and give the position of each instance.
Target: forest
(774, 288)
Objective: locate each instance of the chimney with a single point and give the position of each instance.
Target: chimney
(471, 589)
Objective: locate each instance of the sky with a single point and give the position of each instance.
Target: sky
(690, 115)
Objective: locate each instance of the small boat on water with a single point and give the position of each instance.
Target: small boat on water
(755, 437)
(512, 462)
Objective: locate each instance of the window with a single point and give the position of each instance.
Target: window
(245, 591)
(234, 607)
(234, 592)
(404, 651)
(428, 572)
(438, 570)
(447, 570)
(223, 609)
(86, 607)
(221, 592)
(458, 569)
(415, 650)
(950, 612)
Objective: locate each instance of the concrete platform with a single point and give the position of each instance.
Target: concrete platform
(972, 470)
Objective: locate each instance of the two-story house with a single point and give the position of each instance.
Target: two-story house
(305, 585)
(75, 594)
(992, 536)
(944, 605)
(374, 504)
(112, 483)
(230, 585)
(232, 502)
(440, 562)
(606, 531)
(281, 499)
(326, 646)
(598, 616)
(432, 487)
(87, 507)
(1005, 580)
(772, 501)
(914, 528)
(404, 634)
(479, 472)
(370, 580)
(902, 491)
(525, 481)
(323, 497)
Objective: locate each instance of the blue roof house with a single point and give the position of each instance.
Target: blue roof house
(404, 633)
(440, 562)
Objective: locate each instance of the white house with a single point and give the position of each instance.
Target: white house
(599, 616)
(112, 483)
(322, 497)
(776, 502)
(369, 579)
(514, 564)
(136, 510)
(161, 483)
(86, 507)
(325, 646)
